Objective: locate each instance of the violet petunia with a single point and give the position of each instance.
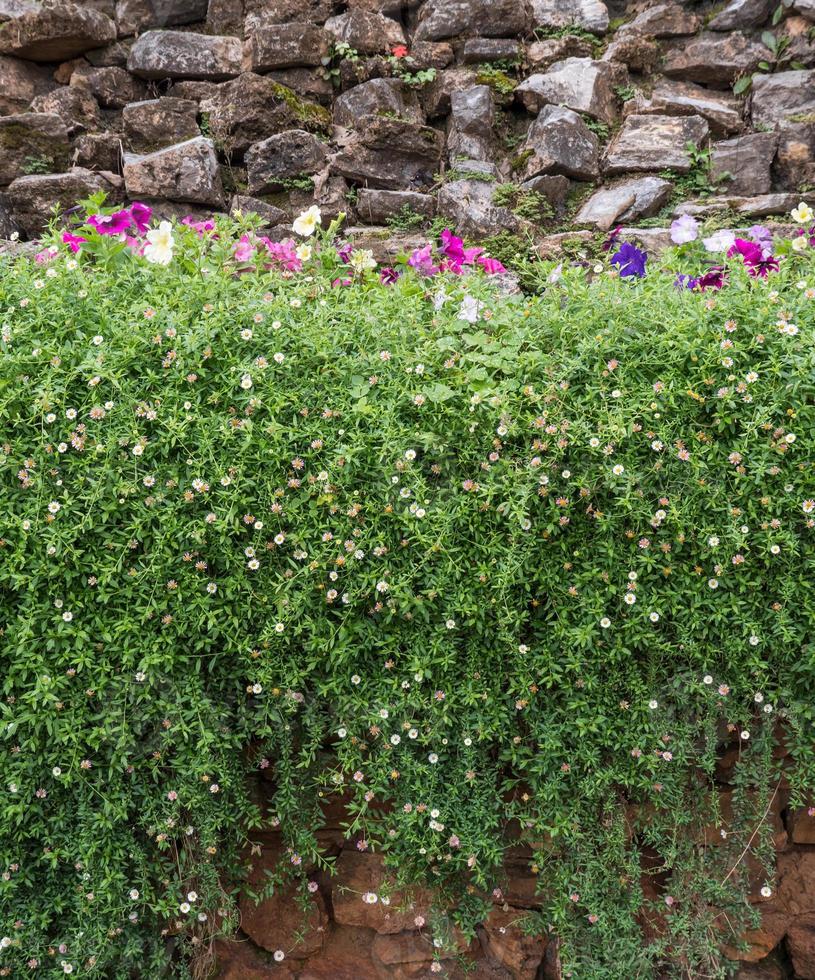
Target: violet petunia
(422, 261)
(388, 275)
(630, 261)
(684, 281)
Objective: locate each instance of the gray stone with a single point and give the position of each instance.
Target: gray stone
(379, 96)
(185, 172)
(591, 15)
(8, 227)
(801, 49)
(559, 142)
(98, 151)
(441, 19)
(432, 54)
(225, 17)
(11, 9)
(306, 83)
(749, 207)
(293, 153)
(32, 139)
(275, 46)
(541, 55)
(33, 198)
(794, 165)
(375, 207)
(554, 189)
(663, 20)
(655, 143)
(637, 52)
(270, 215)
(253, 107)
(715, 59)
(578, 83)
(391, 154)
(56, 33)
(787, 95)
(469, 205)
(285, 11)
(77, 108)
(806, 8)
(159, 122)
(485, 49)
(182, 54)
(112, 88)
(135, 16)
(471, 120)
(366, 32)
(435, 96)
(742, 166)
(20, 82)
(686, 99)
(629, 200)
(740, 14)
(112, 55)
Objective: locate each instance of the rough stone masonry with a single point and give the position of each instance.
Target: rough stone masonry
(521, 118)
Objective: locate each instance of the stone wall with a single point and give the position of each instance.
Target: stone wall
(521, 117)
(343, 936)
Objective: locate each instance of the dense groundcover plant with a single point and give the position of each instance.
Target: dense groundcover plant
(492, 568)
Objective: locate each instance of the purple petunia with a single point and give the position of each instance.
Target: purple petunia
(630, 261)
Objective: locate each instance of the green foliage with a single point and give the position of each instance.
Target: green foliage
(406, 219)
(600, 129)
(498, 80)
(778, 45)
(625, 92)
(537, 572)
(37, 165)
(527, 204)
(698, 181)
(405, 68)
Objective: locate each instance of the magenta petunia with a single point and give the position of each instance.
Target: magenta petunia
(140, 215)
(491, 266)
(73, 241)
(110, 224)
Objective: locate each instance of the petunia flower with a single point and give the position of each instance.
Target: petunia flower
(160, 242)
(757, 262)
(685, 229)
(73, 241)
(306, 224)
(244, 249)
(630, 260)
(491, 266)
(140, 215)
(388, 275)
(422, 261)
(719, 241)
(714, 278)
(802, 214)
(684, 281)
(110, 224)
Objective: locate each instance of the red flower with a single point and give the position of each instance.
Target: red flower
(399, 51)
